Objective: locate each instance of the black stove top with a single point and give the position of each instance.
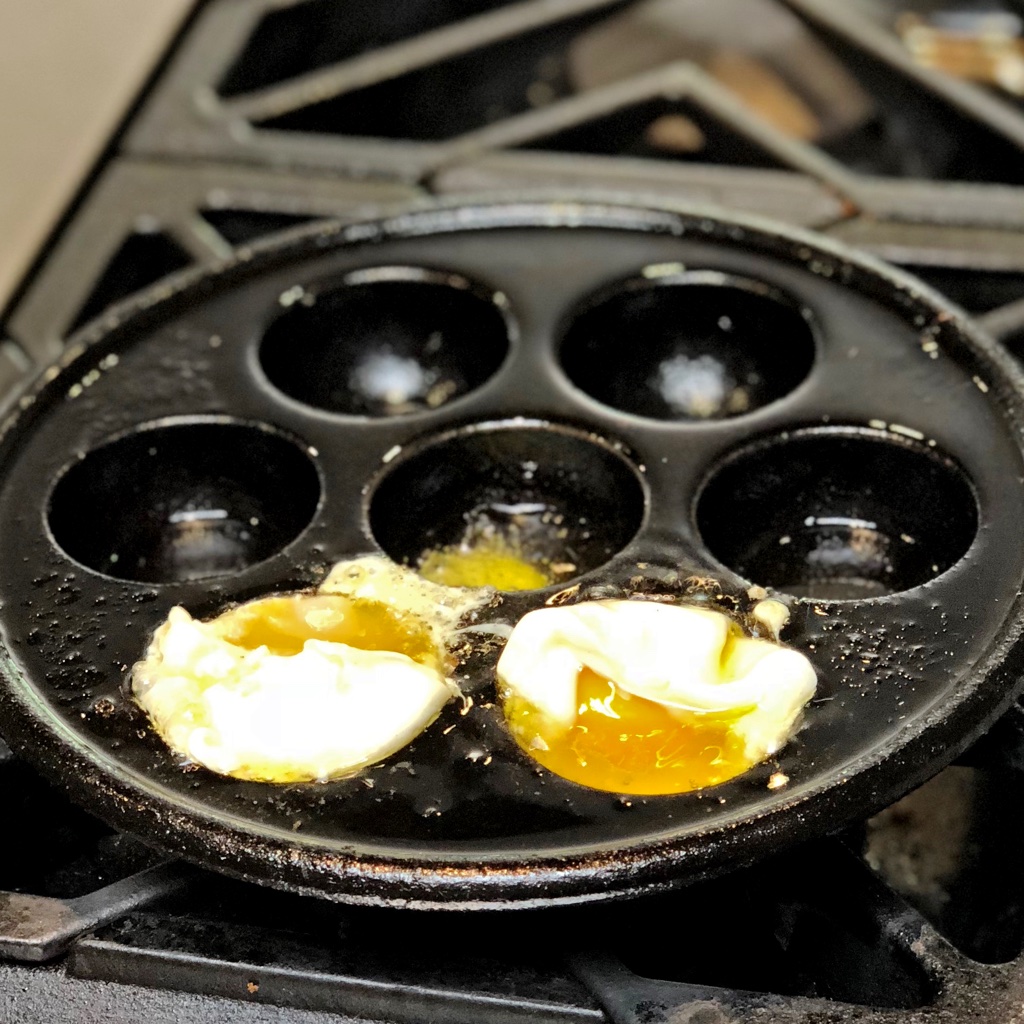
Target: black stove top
(272, 113)
(917, 916)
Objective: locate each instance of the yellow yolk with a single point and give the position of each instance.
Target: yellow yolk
(648, 698)
(486, 561)
(284, 624)
(626, 744)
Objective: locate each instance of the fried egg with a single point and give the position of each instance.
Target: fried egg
(646, 698)
(303, 687)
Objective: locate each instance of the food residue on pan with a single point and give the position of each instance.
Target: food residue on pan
(648, 698)
(308, 686)
(491, 556)
(489, 561)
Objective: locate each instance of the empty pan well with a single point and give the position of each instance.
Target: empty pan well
(184, 501)
(841, 513)
(387, 342)
(688, 346)
(564, 497)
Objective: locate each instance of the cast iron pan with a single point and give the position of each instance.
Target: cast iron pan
(851, 441)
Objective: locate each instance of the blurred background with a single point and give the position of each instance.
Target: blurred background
(834, 115)
(68, 73)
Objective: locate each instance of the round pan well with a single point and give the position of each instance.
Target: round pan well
(694, 346)
(567, 497)
(386, 341)
(838, 513)
(181, 501)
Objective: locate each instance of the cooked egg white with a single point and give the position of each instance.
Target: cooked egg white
(305, 687)
(646, 698)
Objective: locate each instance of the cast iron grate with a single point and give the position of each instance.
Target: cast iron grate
(489, 77)
(294, 40)
(869, 161)
(144, 257)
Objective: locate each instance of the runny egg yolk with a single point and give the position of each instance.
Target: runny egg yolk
(648, 698)
(627, 744)
(487, 562)
(284, 624)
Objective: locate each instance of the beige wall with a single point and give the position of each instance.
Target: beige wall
(68, 68)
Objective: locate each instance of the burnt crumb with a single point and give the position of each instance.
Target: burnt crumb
(104, 707)
(462, 650)
(566, 596)
(709, 584)
(662, 583)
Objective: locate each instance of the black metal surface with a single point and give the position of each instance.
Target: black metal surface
(966, 240)
(38, 928)
(797, 946)
(922, 672)
(503, 79)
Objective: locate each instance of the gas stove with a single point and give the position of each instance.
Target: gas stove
(268, 114)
